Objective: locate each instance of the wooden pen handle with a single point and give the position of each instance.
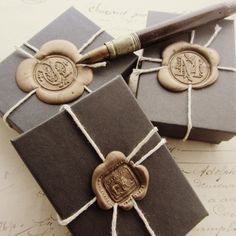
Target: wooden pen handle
(153, 34)
(185, 22)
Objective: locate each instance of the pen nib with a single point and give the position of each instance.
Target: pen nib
(96, 55)
(83, 60)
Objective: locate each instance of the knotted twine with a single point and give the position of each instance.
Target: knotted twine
(134, 77)
(68, 220)
(27, 54)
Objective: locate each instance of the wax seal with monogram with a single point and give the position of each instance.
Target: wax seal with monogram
(118, 181)
(54, 74)
(184, 63)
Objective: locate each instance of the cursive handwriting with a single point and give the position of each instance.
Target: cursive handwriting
(205, 184)
(224, 210)
(44, 227)
(33, 1)
(217, 230)
(218, 172)
(98, 8)
(101, 9)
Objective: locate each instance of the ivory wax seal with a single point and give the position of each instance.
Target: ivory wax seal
(53, 73)
(117, 180)
(185, 64)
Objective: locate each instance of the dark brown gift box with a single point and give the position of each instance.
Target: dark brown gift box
(213, 107)
(62, 161)
(71, 26)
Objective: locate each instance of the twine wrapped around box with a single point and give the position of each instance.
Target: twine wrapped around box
(121, 174)
(176, 87)
(36, 59)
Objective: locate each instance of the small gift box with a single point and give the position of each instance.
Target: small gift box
(191, 90)
(47, 73)
(102, 154)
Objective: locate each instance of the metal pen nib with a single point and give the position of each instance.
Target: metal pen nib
(112, 49)
(161, 31)
(95, 55)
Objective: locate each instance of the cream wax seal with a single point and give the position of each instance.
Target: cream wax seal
(54, 74)
(184, 63)
(118, 180)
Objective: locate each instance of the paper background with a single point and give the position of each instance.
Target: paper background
(210, 169)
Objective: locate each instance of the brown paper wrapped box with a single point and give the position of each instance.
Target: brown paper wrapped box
(71, 26)
(213, 107)
(62, 161)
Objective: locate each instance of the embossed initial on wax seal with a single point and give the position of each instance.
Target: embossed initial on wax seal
(185, 64)
(53, 73)
(119, 181)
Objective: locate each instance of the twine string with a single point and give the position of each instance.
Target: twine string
(21, 101)
(133, 80)
(232, 69)
(142, 58)
(140, 145)
(213, 37)
(76, 214)
(135, 150)
(33, 48)
(94, 65)
(137, 72)
(134, 77)
(189, 103)
(114, 220)
(142, 159)
(85, 45)
(82, 128)
(192, 36)
(143, 218)
(25, 53)
(87, 89)
(150, 59)
(189, 113)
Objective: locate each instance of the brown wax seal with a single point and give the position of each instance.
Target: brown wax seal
(119, 181)
(185, 64)
(53, 73)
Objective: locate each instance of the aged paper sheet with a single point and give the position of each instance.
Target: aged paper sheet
(210, 169)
